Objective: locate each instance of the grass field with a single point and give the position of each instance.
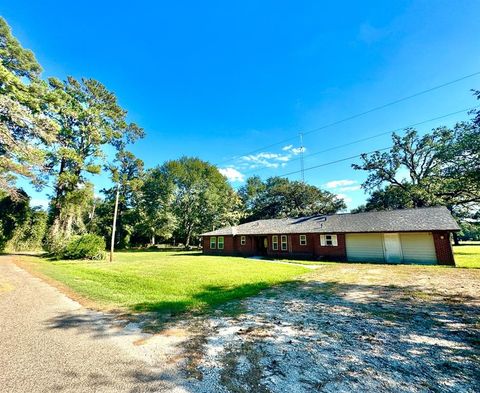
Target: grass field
(165, 281)
(171, 282)
(467, 256)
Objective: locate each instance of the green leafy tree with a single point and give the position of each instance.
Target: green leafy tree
(442, 168)
(89, 119)
(470, 230)
(25, 131)
(155, 210)
(202, 198)
(14, 211)
(279, 197)
(387, 198)
(127, 175)
(431, 164)
(30, 232)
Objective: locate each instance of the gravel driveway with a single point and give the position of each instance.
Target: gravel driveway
(49, 343)
(350, 328)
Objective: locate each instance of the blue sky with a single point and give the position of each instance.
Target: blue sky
(218, 80)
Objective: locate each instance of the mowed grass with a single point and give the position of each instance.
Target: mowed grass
(467, 255)
(172, 282)
(166, 282)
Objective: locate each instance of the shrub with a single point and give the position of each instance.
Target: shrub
(88, 246)
(28, 235)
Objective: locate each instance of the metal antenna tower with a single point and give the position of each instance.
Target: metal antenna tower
(302, 167)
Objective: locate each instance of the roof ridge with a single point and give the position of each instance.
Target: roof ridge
(348, 213)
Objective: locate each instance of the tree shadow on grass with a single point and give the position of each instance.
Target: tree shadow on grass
(156, 314)
(209, 297)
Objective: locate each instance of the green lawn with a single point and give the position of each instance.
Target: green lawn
(467, 255)
(165, 281)
(182, 281)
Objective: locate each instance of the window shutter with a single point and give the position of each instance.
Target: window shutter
(322, 240)
(334, 240)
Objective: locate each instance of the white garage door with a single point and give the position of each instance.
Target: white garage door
(365, 247)
(418, 248)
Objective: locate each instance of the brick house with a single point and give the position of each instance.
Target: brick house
(398, 236)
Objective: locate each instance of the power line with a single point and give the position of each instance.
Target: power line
(355, 116)
(334, 162)
(371, 137)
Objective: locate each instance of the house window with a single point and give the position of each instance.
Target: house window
(328, 240)
(220, 242)
(274, 242)
(213, 242)
(284, 242)
(243, 240)
(303, 240)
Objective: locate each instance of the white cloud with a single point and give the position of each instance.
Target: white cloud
(39, 202)
(232, 174)
(350, 188)
(340, 183)
(346, 198)
(269, 160)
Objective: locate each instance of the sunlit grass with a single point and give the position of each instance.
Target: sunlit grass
(166, 281)
(467, 256)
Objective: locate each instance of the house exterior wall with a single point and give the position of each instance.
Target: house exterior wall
(338, 252)
(244, 250)
(313, 249)
(228, 248)
(232, 246)
(443, 248)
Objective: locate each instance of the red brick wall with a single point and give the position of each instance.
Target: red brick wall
(338, 252)
(312, 250)
(443, 248)
(228, 246)
(247, 249)
(232, 246)
(279, 253)
(205, 244)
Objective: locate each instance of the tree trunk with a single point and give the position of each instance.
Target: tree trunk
(152, 240)
(187, 241)
(456, 241)
(114, 225)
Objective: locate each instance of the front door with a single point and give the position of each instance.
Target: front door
(393, 248)
(262, 245)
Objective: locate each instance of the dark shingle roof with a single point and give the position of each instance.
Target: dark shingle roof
(407, 220)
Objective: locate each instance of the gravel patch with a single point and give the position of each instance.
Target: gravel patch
(331, 337)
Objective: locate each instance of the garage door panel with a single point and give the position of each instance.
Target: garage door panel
(418, 248)
(365, 247)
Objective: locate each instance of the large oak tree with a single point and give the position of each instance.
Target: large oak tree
(279, 197)
(201, 198)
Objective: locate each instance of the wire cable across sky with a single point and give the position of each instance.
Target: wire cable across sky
(355, 116)
(306, 156)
